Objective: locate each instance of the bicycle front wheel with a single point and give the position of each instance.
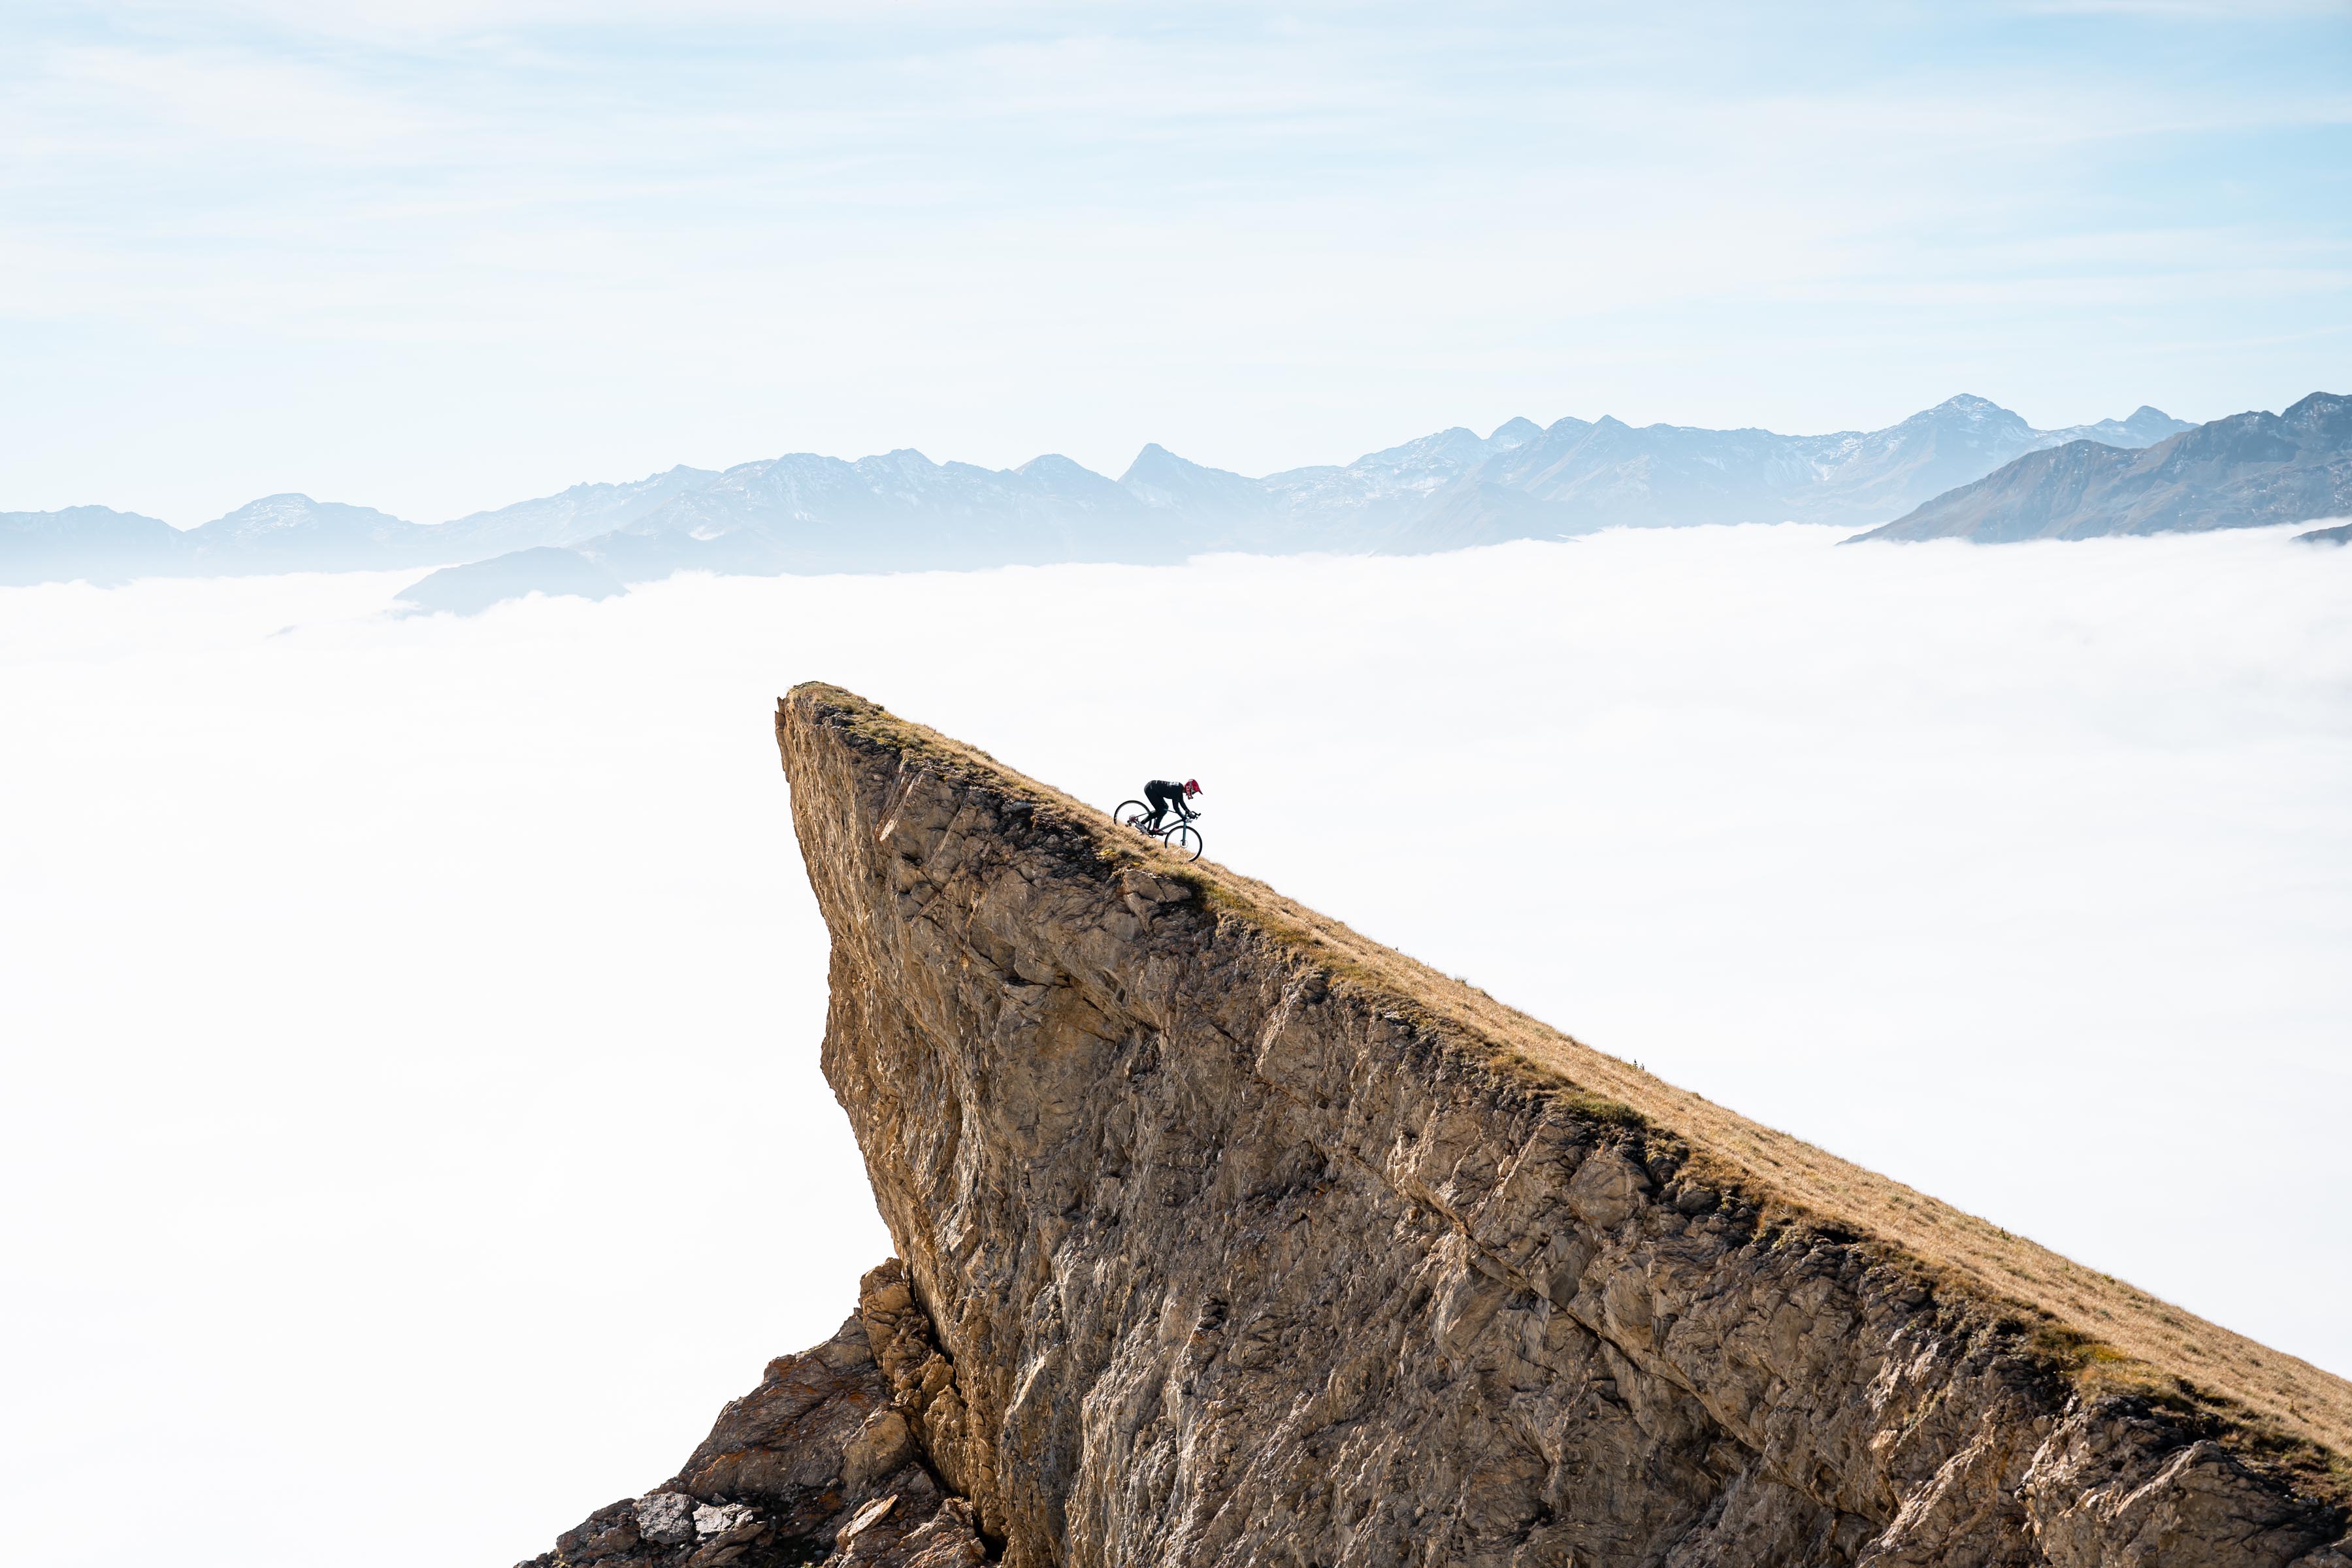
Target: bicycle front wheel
(1184, 841)
(1130, 813)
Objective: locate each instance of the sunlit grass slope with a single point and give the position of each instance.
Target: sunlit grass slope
(2099, 1331)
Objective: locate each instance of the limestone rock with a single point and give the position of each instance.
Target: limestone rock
(665, 1519)
(797, 1470)
(1228, 1242)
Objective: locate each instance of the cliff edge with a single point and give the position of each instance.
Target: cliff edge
(1239, 1239)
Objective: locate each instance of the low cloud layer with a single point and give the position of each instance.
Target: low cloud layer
(412, 1023)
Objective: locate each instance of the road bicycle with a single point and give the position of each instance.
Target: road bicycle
(1177, 833)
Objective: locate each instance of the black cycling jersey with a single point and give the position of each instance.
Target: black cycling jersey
(1164, 797)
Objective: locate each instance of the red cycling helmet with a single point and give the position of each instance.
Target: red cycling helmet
(1191, 786)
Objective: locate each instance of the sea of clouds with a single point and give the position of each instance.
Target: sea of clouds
(414, 1130)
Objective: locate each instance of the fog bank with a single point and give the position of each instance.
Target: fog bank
(412, 1024)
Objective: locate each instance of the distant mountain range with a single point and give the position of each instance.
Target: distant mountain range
(2245, 471)
(901, 512)
(475, 586)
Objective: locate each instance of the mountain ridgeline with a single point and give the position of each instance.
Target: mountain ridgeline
(2246, 471)
(901, 512)
(1229, 1238)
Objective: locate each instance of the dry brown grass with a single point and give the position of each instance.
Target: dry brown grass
(2103, 1331)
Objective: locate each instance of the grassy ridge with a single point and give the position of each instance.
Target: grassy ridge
(2101, 1332)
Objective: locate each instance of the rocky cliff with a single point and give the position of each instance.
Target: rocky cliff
(1230, 1238)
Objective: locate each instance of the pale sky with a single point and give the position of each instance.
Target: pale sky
(438, 256)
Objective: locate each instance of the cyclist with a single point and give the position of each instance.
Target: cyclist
(1164, 797)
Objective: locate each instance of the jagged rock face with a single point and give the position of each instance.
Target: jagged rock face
(818, 1464)
(1240, 1261)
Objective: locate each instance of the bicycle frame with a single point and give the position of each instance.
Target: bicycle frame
(1140, 816)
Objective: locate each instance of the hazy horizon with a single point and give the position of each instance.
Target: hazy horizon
(1111, 472)
(436, 259)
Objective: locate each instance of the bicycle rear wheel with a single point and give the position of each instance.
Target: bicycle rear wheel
(1184, 841)
(1130, 813)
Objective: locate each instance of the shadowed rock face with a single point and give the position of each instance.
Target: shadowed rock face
(1237, 1256)
(818, 1464)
